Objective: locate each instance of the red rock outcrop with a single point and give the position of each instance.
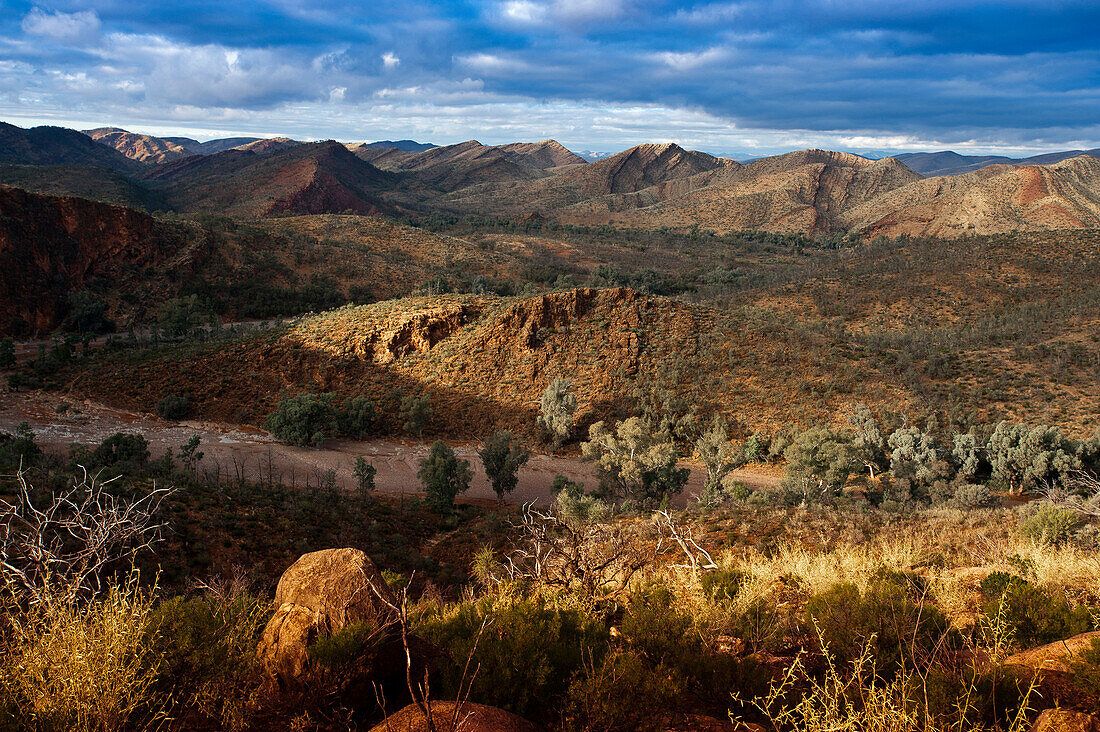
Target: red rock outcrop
(51, 246)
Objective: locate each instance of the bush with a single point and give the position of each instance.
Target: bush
(903, 627)
(1049, 524)
(1086, 670)
(356, 418)
(304, 419)
(122, 449)
(444, 476)
(1037, 615)
(207, 650)
(502, 456)
(621, 693)
(174, 406)
(527, 654)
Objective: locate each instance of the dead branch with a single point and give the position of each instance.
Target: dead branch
(698, 557)
(71, 541)
(592, 560)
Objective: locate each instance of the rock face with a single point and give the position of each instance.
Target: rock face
(1051, 664)
(51, 246)
(471, 718)
(1060, 720)
(1053, 657)
(320, 594)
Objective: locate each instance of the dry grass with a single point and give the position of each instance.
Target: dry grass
(73, 666)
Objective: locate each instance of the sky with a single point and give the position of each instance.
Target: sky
(743, 77)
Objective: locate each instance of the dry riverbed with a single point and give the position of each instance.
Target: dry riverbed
(236, 451)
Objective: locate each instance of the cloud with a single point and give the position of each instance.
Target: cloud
(684, 61)
(62, 27)
(739, 73)
(559, 14)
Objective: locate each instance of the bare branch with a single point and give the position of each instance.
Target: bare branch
(75, 538)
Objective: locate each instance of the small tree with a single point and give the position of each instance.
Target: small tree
(557, 406)
(869, 439)
(190, 455)
(415, 413)
(303, 419)
(915, 456)
(122, 448)
(182, 317)
(174, 406)
(819, 461)
(87, 314)
(7, 353)
(502, 456)
(1026, 457)
(364, 475)
(635, 461)
(444, 476)
(719, 455)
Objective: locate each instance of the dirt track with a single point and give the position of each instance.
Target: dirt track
(241, 451)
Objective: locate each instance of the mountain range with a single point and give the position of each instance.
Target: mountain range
(648, 186)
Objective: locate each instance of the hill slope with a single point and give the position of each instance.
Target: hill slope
(59, 146)
(312, 178)
(52, 246)
(143, 148)
(951, 163)
(999, 198)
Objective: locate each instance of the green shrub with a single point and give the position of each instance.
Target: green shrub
(903, 628)
(444, 476)
(364, 475)
(1037, 615)
(1086, 670)
(174, 406)
(356, 418)
(1049, 524)
(527, 654)
(7, 353)
(995, 585)
(346, 647)
(621, 693)
(722, 584)
(303, 419)
(19, 448)
(207, 650)
(122, 448)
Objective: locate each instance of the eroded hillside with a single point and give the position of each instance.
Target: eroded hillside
(888, 326)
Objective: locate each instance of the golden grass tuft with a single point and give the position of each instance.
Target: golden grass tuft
(81, 666)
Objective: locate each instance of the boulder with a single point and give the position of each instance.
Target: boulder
(1061, 720)
(320, 594)
(1053, 657)
(471, 718)
(1051, 665)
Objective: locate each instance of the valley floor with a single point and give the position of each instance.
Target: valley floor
(242, 451)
